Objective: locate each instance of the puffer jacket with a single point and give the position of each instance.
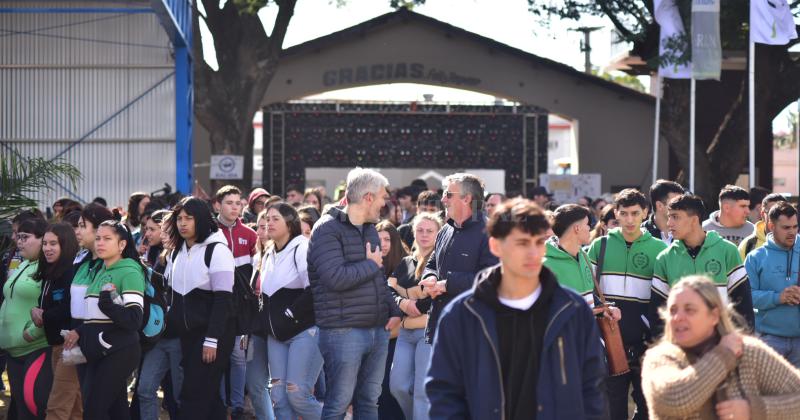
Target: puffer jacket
(349, 290)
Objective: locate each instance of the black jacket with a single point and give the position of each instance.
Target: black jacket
(348, 289)
(55, 301)
(460, 253)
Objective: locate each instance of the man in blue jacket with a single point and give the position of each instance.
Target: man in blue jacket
(773, 272)
(353, 306)
(462, 247)
(517, 346)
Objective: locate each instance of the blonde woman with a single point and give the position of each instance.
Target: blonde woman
(411, 353)
(705, 368)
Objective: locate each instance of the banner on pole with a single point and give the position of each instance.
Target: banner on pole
(771, 22)
(672, 41)
(706, 45)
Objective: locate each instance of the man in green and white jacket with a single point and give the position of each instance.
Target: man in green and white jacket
(627, 272)
(696, 251)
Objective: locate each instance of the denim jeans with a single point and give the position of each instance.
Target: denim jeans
(407, 380)
(237, 376)
(258, 378)
(164, 356)
(788, 347)
(355, 359)
(295, 365)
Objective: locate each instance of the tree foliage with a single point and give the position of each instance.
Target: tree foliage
(21, 178)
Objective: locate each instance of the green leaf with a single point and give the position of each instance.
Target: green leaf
(21, 178)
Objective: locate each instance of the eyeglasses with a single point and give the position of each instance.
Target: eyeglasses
(23, 237)
(450, 194)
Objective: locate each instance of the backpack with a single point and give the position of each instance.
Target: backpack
(245, 304)
(154, 321)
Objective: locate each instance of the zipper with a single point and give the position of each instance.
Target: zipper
(549, 324)
(496, 359)
(561, 352)
(625, 277)
(188, 261)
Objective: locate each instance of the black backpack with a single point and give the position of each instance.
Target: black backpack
(245, 305)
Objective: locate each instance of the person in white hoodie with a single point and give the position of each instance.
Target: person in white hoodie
(295, 360)
(200, 272)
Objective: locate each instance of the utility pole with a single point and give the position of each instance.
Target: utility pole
(586, 45)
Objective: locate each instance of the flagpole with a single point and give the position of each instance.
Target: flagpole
(656, 128)
(691, 133)
(751, 111)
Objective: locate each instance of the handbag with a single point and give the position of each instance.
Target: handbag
(609, 328)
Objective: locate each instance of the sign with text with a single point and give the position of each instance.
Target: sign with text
(227, 167)
(395, 72)
(568, 188)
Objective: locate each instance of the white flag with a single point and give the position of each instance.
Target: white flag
(706, 43)
(771, 22)
(667, 16)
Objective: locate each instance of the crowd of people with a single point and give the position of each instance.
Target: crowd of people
(410, 303)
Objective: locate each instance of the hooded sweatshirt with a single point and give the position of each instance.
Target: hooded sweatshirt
(249, 215)
(626, 278)
(733, 234)
(21, 293)
(201, 294)
(112, 325)
(717, 259)
(756, 240)
(771, 269)
(574, 274)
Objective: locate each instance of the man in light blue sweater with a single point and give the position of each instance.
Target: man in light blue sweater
(773, 272)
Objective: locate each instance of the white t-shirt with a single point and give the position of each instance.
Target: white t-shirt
(522, 304)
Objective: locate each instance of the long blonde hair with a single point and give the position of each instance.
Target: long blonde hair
(707, 290)
(422, 260)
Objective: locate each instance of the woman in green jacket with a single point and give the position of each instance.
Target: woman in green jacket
(29, 367)
(109, 335)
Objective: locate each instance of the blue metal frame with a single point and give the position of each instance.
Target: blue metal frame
(176, 18)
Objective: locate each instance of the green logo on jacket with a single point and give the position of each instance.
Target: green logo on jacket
(714, 267)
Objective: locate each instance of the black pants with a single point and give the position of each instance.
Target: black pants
(200, 396)
(31, 377)
(617, 388)
(106, 384)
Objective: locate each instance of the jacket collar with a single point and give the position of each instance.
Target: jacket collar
(476, 218)
(562, 305)
(338, 213)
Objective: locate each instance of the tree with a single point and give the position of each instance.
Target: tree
(21, 178)
(722, 123)
(227, 99)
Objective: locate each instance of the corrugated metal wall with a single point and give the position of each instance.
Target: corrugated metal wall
(96, 89)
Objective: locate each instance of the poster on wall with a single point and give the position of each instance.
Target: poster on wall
(567, 188)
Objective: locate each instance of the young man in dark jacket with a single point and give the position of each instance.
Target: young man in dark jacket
(353, 305)
(462, 247)
(517, 346)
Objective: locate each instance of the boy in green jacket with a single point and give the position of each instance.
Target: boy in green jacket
(696, 251)
(625, 279)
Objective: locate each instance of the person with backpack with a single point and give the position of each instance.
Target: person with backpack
(242, 243)
(281, 279)
(86, 265)
(200, 271)
(163, 356)
(55, 271)
(29, 368)
(109, 335)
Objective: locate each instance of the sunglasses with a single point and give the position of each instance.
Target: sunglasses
(450, 194)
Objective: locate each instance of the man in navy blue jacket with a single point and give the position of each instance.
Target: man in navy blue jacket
(517, 346)
(462, 247)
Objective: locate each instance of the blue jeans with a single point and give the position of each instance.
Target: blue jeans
(237, 376)
(295, 365)
(258, 378)
(164, 356)
(355, 359)
(407, 380)
(788, 347)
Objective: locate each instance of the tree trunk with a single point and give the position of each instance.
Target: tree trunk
(227, 100)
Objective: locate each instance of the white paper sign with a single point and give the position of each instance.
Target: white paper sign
(227, 167)
(568, 188)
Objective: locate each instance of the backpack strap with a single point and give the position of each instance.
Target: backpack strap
(751, 244)
(599, 270)
(173, 255)
(295, 260)
(209, 253)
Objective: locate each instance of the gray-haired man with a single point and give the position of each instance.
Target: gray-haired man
(353, 305)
